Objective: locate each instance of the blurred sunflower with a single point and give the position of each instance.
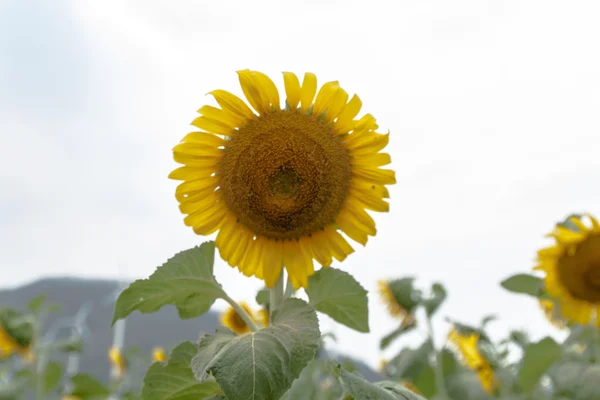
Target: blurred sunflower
(14, 341)
(158, 354)
(232, 320)
(552, 315)
(280, 184)
(117, 361)
(395, 305)
(466, 345)
(382, 365)
(572, 268)
(263, 317)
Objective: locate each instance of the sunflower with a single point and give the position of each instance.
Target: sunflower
(263, 317)
(552, 315)
(232, 320)
(572, 268)
(158, 354)
(117, 361)
(395, 309)
(10, 345)
(281, 185)
(466, 344)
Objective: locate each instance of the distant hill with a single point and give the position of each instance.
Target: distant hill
(143, 331)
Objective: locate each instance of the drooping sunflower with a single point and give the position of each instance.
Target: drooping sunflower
(572, 268)
(281, 185)
(394, 306)
(232, 320)
(158, 354)
(466, 345)
(117, 361)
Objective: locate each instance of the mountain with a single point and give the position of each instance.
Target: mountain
(143, 331)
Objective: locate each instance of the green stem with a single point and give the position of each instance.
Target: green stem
(242, 313)
(277, 293)
(439, 372)
(289, 290)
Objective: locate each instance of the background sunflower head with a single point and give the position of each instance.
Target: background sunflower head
(117, 361)
(232, 320)
(572, 268)
(14, 338)
(158, 354)
(398, 299)
(281, 185)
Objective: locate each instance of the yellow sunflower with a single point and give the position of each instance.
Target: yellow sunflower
(466, 345)
(395, 309)
(117, 361)
(280, 185)
(572, 268)
(158, 354)
(232, 320)
(9, 346)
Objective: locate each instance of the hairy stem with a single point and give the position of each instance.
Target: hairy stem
(242, 313)
(277, 293)
(439, 373)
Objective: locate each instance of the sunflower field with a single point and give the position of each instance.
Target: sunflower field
(287, 186)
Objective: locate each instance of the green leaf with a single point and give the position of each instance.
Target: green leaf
(589, 389)
(87, 387)
(261, 365)
(36, 304)
(395, 334)
(17, 325)
(525, 284)
(361, 389)
(537, 358)
(263, 297)
(409, 363)
(425, 382)
(52, 375)
(466, 385)
(175, 380)
(449, 364)
(438, 295)
(186, 281)
(405, 294)
(337, 294)
(316, 382)
(487, 319)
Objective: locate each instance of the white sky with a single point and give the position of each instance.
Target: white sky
(493, 108)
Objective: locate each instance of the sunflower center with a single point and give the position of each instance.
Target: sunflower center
(285, 175)
(579, 270)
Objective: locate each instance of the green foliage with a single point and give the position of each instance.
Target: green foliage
(17, 325)
(524, 284)
(261, 365)
(316, 382)
(361, 389)
(36, 304)
(52, 375)
(175, 380)
(88, 388)
(337, 294)
(263, 297)
(438, 295)
(186, 281)
(409, 364)
(395, 334)
(537, 359)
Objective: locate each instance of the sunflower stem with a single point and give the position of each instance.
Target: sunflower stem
(277, 293)
(242, 313)
(289, 289)
(439, 372)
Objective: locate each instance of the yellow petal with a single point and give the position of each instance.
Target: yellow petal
(377, 175)
(199, 150)
(292, 89)
(351, 227)
(272, 262)
(223, 241)
(256, 98)
(368, 144)
(211, 222)
(324, 96)
(191, 173)
(338, 245)
(223, 117)
(252, 261)
(244, 238)
(309, 88)
(355, 208)
(373, 160)
(204, 138)
(213, 126)
(345, 121)
(231, 102)
(268, 88)
(319, 249)
(579, 224)
(370, 202)
(196, 161)
(198, 201)
(375, 189)
(198, 185)
(296, 261)
(336, 104)
(197, 210)
(596, 228)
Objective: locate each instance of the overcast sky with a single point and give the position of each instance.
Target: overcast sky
(492, 106)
